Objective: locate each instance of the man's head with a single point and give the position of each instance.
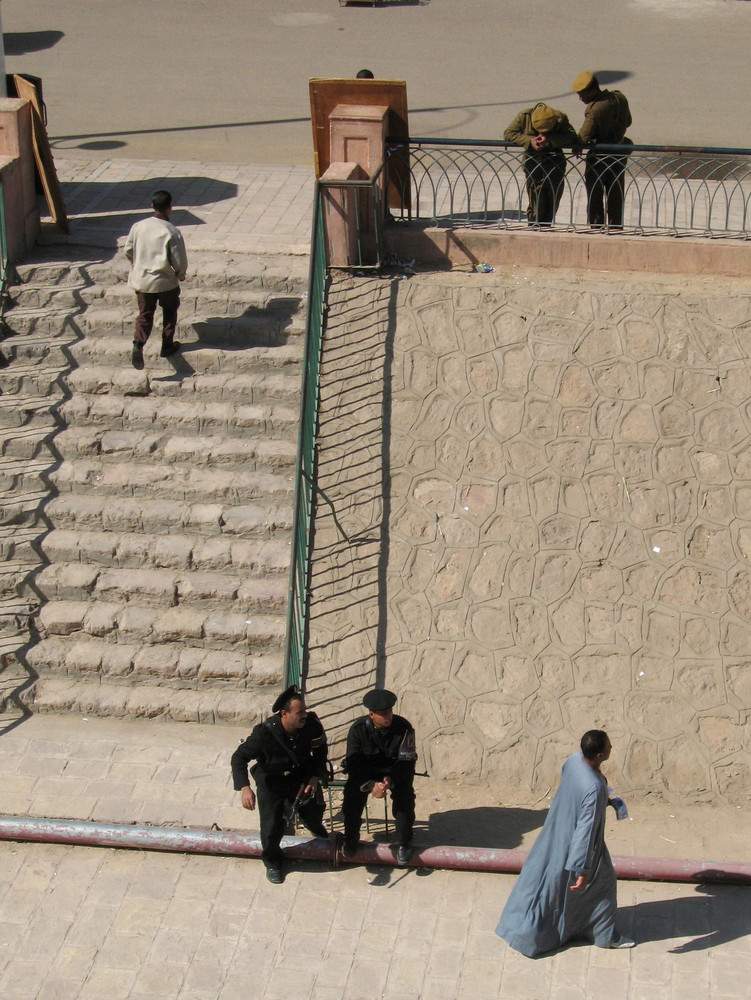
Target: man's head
(380, 704)
(544, 119)
(586, 86)
(595, 746)
(161, 202)
(291, 708)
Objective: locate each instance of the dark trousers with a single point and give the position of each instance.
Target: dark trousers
(147, 303)
(402, 807)
(273, 791)
(605, 180)
(544, 173)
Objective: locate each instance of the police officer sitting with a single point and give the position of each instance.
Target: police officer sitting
(380, 758)
(290, 752)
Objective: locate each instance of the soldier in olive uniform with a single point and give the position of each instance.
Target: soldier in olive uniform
(380, 758)
(606, 118)
(543, 132)
(290, 752)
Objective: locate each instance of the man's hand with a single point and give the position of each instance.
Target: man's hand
(380, 788)
(539, 142)
(580, 883)
(312, 786)
(248, 797)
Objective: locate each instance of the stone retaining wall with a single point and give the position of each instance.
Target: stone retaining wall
(545, 483)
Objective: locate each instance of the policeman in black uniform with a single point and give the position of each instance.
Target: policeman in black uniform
(380, 758)
(290, 752)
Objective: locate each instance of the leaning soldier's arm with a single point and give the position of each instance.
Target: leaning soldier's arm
(564, 136)
(588, 131)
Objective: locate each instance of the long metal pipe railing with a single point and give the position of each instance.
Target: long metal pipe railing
(217, 842)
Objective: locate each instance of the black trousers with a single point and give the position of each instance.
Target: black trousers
(544, 174)
(147, 303)
(605, 180)
(273, 791)
(402, 808)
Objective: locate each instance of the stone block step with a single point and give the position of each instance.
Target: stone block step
(217, 554)
(134, 663)
(171, 482)
(33, 380)
(18, 579)
(121, 412)
(91, 696)
(20, 543)
(21, 508)
(246, 453)
(22, 475)
(141, 625)
(161, 379)
(232, 269)
(29, 442)
(157, 517)
(15, 620)
(194, 590)
(24, 411)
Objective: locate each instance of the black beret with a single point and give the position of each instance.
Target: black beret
(292, 692)
(379, 700)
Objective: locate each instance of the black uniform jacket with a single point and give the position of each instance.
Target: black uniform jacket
(374, 753)
(300, 757)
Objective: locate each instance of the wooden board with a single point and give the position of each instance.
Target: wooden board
(43, 154)
(324, 97)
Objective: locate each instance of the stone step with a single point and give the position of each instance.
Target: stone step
(217, 554)
(242, 387)
(90, 696)
(151, 480)
(29, 442)
(232, 269)
(197, 592)
(23, 475)
(15, 618)
(119, 622)
(18, 579)
(28, 411)
(20, 543)
(198, 450)
(21, 508)
(128, 514)
(29, 379)
(122, 412)
(65, 352)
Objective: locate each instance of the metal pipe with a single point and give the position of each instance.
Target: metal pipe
(483, 859)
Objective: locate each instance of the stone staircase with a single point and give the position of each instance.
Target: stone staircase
(146, 516)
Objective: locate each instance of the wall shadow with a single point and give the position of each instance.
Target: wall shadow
(20, 43)
(483, 826)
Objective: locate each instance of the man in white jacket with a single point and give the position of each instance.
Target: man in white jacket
(159, 262)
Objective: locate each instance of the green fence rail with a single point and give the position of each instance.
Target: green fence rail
(297, 606)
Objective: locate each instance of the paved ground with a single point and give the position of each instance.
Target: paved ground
(103, 924)
(187, 80)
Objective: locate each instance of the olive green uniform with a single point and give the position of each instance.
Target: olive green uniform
(544, 169)
(605, 121)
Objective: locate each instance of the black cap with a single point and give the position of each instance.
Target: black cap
(292, 692)
(379, 700)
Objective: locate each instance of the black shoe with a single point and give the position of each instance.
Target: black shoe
(136, 357)
(274, 873)
(319, 831)
(169, 347)
(404, 854)
(350, 848)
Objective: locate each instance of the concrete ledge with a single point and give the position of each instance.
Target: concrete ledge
(446, 248)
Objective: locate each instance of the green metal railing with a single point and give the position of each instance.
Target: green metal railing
(297, 606)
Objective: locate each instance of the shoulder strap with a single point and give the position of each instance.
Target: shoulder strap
(269, 723)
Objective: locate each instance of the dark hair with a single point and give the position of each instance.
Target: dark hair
(287, 706)
(593, 742)
(161, 200)
(365, 74)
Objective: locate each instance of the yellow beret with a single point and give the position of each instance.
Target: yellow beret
(544, 119)
(584, 81)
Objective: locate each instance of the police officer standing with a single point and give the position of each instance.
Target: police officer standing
(290, 752)
(606, 118)
(380, 758)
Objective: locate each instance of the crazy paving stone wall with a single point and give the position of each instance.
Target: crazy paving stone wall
(544, 481)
